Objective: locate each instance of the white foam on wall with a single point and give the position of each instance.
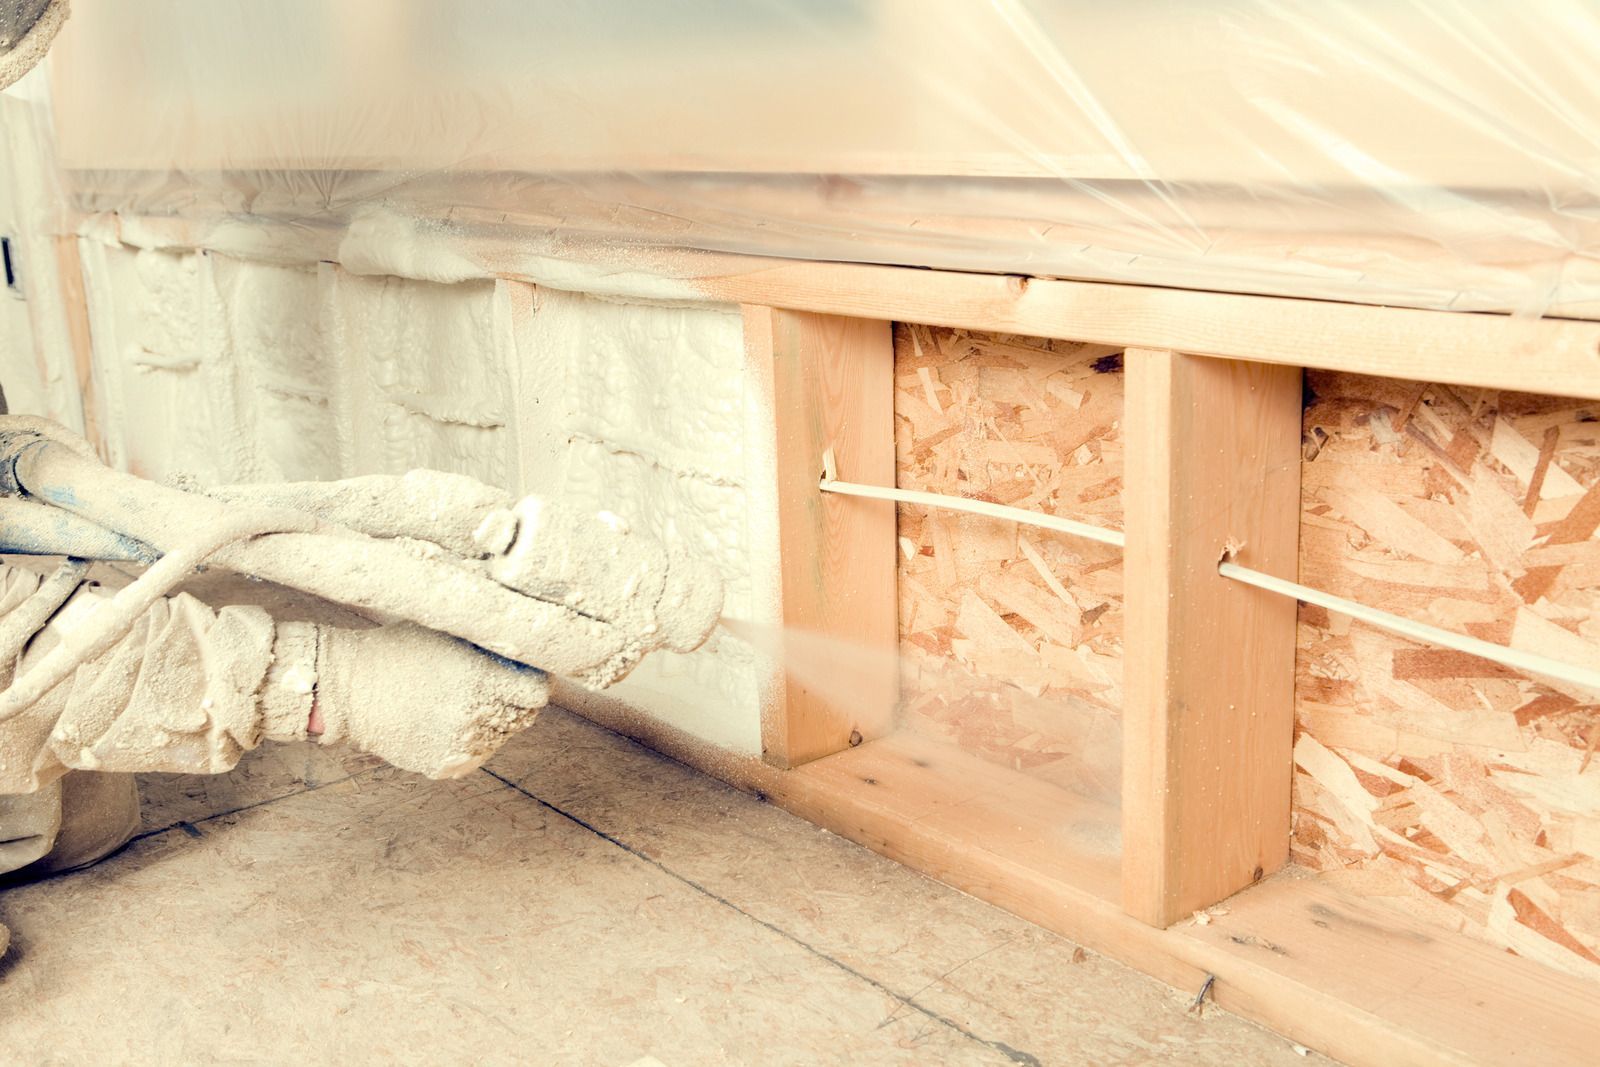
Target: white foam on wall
(422, 380)
(641, 410)
(155, 376)
(228, 369)
(282, 384)
(37, 364)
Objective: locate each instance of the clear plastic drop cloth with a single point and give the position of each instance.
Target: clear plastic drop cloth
(1434, 153)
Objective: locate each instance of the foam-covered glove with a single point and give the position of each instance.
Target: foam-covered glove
(423, 701)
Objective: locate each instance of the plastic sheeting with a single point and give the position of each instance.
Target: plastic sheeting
(1436, 153)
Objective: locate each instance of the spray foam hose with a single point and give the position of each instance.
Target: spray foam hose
(29, 528)
(324, 560)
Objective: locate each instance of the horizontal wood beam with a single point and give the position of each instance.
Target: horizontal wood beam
(1558, 356)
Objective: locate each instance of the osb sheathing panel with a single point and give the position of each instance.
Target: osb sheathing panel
(1012, 636)
(1465, 790)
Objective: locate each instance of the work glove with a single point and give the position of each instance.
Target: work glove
(421, 700)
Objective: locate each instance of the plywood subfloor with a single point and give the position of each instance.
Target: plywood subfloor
(584, 901)
(1012, 635)
(1466, 792)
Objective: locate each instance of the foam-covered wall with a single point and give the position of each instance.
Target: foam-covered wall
(36, 347)
(226, 368)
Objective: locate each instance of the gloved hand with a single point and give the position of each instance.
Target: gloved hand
(420, 700)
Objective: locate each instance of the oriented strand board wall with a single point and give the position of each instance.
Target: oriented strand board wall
(1012, 636)
(1468, 791)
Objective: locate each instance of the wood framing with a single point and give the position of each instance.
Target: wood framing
(1355, 978)
(1214, 454)
(832, 383)
(75, 306)
(1213, 468)
(1496, 351)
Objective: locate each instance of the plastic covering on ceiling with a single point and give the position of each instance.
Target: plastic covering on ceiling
(1435, 153)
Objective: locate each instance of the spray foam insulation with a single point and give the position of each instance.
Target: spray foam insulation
(224, 369)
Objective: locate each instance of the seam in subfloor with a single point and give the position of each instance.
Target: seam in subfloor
(1013, 1054)
(188, 826)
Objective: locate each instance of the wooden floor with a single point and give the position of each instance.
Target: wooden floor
(583, 901)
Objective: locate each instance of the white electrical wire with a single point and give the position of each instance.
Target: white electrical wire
(976, 507)
(1531, 662)
(1572, 674)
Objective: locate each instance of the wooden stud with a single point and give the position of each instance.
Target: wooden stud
(1213, 467)
(75, 309)
(832, 390)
